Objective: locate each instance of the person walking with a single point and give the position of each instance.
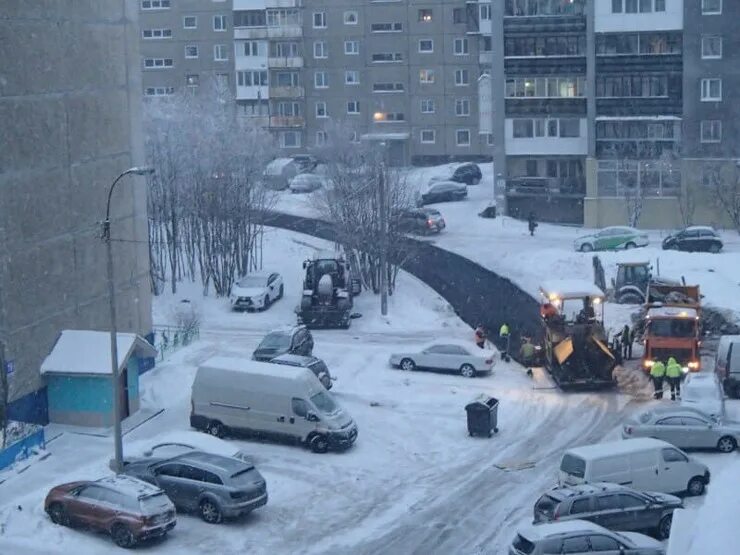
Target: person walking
(657, 373)
(480, 336)
(503, 334)
(531, 223)
(673, 373)
(627, 339)
(527, 354)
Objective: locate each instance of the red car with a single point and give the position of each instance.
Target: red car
(128, 509)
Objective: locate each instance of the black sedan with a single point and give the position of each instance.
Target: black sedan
(442, 191)
(468, 173)
(694, 239)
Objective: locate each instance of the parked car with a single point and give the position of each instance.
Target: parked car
(612, 238)
(684, 427)
(420, 220)
(728, 364)
(645, 464)
(703, 391)
(316, 365)
(580, 537)
(694, 239)
(214, 486)
(468, 173)
(441, 191)
(296, 340)
(279, 172)
(128, 509)
(447, 355)
(256, 291)
(305, 162)
(306, 183)
(610, 505)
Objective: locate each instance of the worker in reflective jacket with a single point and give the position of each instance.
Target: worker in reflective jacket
(673, 372)
(657, 372)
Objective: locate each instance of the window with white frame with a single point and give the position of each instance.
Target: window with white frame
(190, 22)
(278, 17)
(427, 136)
(191, 51)
(255, 78)
(220, 53)
(285, 49)
(319, 20)
(711, 47)
(158, 63)
(638, 6)
(531, 128)
(489, 138)
(462, 77)
(549, 87)
(426, 76)
(462, 107)
(711, 131)
(351, 77)
(159, 91)
(155, 34)
(321, 138)
(353, 107)
(711, 7)
(320, 80)
(351, 17)
(219, 23)
(386, 57)
(386, 27)
(485, 12)
(426, 46)
(384, 117)
(711, 90)
(352, 47)
(289, 139)
(321, 111)
(461, 47)
(462, 137)
(251, 48)
(320, 50)
(427, 106)
(155, 4)
(388, 87)
(289, 109)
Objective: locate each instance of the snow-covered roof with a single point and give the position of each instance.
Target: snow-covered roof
(671, 312)
(570, 289)
(621, 447)
(253, 367)
(88, 352)
(276, 166)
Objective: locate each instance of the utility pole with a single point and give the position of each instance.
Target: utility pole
(383, 237)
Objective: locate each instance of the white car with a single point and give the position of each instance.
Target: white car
(307, 183)
(447, 355)
(703, 391)
(256, 291)
(612, 238)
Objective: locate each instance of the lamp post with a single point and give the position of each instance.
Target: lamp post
(117, 438)
(383, 234)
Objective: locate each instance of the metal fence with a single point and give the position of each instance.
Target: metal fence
(167, 339)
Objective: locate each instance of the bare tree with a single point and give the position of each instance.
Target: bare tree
(723, 182)
(4, 397)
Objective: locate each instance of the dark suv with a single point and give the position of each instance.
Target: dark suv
(296, 340)
(468, 173)
(694, 239)
(610, 505)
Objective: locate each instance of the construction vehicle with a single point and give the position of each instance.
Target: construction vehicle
(328, 291)
(632, 282)
(672, 326)
(575, 343)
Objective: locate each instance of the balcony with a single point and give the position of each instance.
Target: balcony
(254, 121)
(283, 3)
(546, 186)
(286, 92)
(279, 62)
(287, 31)
(251, 93)
(287, 121)
(250, 33)
(485, 58)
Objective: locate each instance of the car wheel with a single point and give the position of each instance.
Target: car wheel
(696, 486)
(467, 370)
(318, 443)
(408, 365)
(281, 291)
(726, 444)
(587, 247)
(664, 527)
(210, 512)
(714, 248)
(122, 536)
(630, 245)
(215, 428)
(58, 514)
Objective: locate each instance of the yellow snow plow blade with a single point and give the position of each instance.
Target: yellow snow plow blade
(563, 350)
(603, 347)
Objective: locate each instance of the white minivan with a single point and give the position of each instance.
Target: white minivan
(644, 464)
(288, 403)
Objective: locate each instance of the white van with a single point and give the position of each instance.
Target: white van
(269, 400)
(727, 365)
(643, 464)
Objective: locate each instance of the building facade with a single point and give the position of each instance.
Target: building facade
(71, 124)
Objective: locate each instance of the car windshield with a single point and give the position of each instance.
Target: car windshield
(252, 281)
(154, 504)
(575, 466)
(324, 402)
(275, 340)
(666, 327)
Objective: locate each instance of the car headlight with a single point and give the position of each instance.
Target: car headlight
(694, 365)
(648, 363)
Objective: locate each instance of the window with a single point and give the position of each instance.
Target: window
(287, 79)
(351, 47)
(646, 86)
(158, 63)
(191, 51)
(320, 50)
(629, 501)
(673, 455)
(159, 91)
(387, 57)
(219, 23)
(426, 76)
(300, 407)
(319, 20)
(650, 44)
(220, 53)
(288, 109)
(461, 47)
(387, 87)
(575, 545)
(353, 107)
(607, 502)
(580, 506)
(545, 87)
(659, 5)
(646, 6)
(617, 6)
(192, 80)
(711, 90)
(320, 80)
(523, 128)
(155, 4)
(427, 106)
(462, 107)
(428, 136)
(321, 110)
(604, 543)
(489, 138)
(526, 128)
(251, 78)
(630, 6)
(250, 18)
(352, 77)
(458, 15)
(545, 45)
(351, 18)
(485, 12)
(711, 131)
(711, 7)
(570, 128)
(289, 139)
(487, 43)
(251, 48)
(711, 46)
(321, 138)
(425, 16)
(283, 16)
(190, 22)
(462, 137)
(426, 46)
(156, 34)
(386, 27)
(462, 77)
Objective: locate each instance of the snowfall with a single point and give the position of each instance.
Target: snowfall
(415, 482)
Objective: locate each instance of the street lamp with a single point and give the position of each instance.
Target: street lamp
(117, 438)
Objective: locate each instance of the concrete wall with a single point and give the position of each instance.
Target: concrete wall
(70, 93)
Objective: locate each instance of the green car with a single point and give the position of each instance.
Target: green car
(612, 238)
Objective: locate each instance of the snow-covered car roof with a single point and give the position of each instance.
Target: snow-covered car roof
(671, 312)
(612, 448)
(196, 440)
(468, 345)
(700, 228)
(570, 289)
(276, 166)
(542, 531)
(426, 188)
(299, 360)
(129, 485)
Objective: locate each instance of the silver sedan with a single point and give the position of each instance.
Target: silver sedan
(466, 359)
(685, 428)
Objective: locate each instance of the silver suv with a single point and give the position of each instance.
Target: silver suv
(212, 485)
(581, 537)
